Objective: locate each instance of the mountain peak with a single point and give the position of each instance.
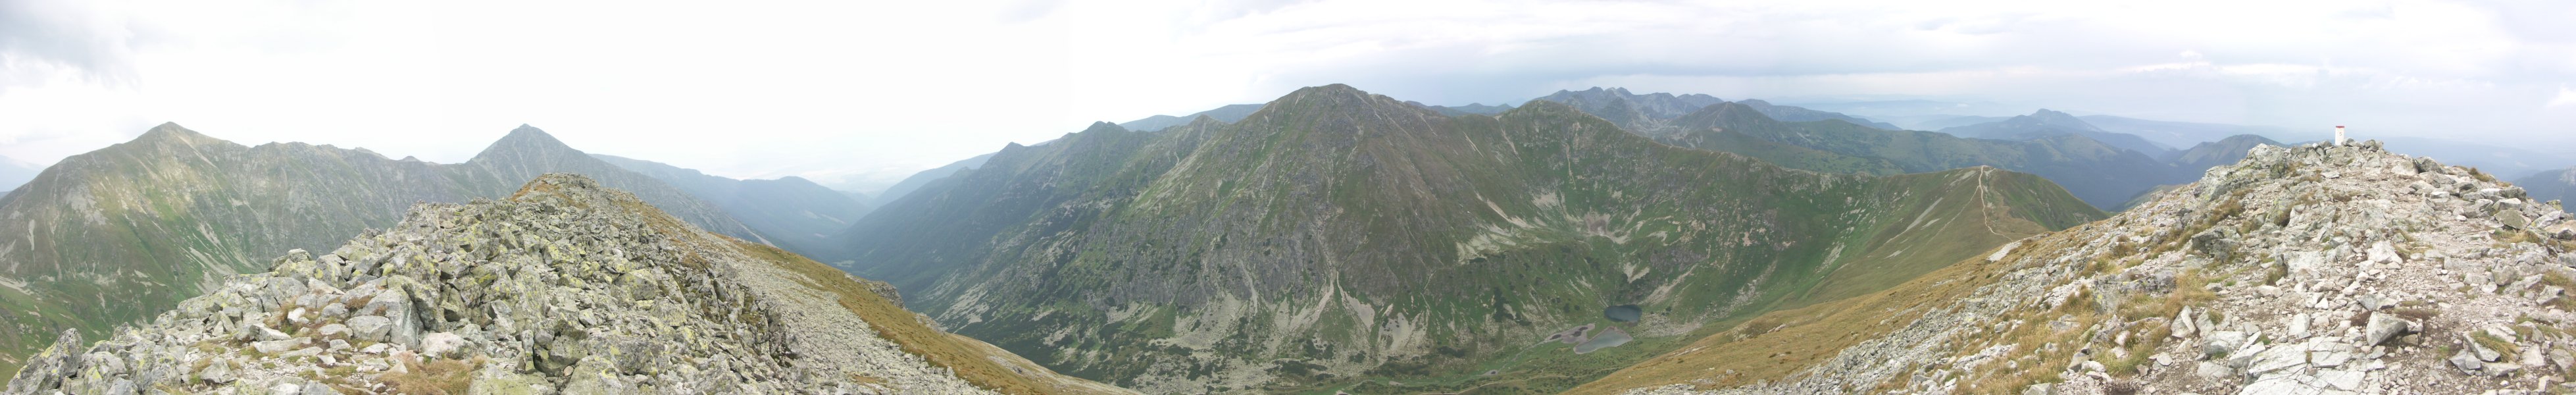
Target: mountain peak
(527, 132)
(1733, 116)
(172, 132)
(526, 138)
(1103, 126)
(2054, 118)
(1336, 100)
(1325, 91)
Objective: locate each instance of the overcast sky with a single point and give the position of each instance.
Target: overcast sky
(864, 93)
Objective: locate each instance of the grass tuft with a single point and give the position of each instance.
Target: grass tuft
(444, 377)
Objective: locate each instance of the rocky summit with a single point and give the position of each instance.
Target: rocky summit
(2308, 270)
(566, 287)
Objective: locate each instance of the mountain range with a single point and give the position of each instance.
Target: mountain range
(1228, 113)
(2183, 134)
(914, 182)
(1328, 241)
(1337, 240)
(14, 173)
(563, 286)
(2557, 185)
(1470, 108)
(792, 212)
(2046, 124)
(155, 220)
(2101, 174)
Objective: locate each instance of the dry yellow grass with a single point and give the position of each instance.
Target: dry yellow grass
(1804, 336)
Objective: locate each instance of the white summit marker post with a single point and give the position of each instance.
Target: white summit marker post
(2338, 135)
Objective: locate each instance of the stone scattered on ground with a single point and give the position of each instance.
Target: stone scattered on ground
(2328, 270)
(567, 288)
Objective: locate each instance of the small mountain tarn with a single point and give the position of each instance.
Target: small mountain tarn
(1609, 337)
(1622, 313)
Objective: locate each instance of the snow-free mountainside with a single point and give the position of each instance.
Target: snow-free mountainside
(116, 235)
(566, 286)
(1336, 240)
(1331, 241)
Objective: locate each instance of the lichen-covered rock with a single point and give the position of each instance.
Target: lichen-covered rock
(565, 288)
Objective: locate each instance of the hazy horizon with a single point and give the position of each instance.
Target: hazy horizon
(861, 95)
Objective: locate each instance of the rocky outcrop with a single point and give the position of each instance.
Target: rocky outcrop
(566, 287)
(2307, 270)
(114, 236)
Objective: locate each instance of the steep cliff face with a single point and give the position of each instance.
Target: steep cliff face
(2312, 269)
(116, 235)
(1341, 240)
(567, 286)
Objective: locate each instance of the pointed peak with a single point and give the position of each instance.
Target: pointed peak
(525, 134)
(527, 139)
(171, 131)
(1754, 102)
(525, 130)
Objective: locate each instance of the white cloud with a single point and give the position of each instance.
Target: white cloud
(873, 90)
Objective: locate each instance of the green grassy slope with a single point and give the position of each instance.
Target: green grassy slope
(1337, 240)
